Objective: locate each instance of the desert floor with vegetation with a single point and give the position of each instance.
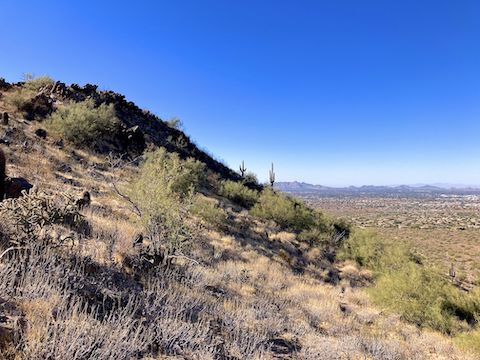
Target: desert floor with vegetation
(445, 229)
(177, 257)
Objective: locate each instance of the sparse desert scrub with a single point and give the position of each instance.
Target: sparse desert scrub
(414, 290)
(34, 84)
(292, 214)
(238, 193)
(85, 124)
(209, 211)
(164, 191)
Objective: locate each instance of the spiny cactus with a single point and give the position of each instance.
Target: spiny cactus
(272, 176)
(31, 214)
(242, 169)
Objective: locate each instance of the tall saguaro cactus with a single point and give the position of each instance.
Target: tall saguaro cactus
(272, 176)
(242, 169)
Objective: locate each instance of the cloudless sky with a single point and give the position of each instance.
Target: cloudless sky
(333, 92)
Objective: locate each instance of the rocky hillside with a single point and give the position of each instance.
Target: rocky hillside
(142, 246)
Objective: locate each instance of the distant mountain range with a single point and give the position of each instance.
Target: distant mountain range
(302, 187)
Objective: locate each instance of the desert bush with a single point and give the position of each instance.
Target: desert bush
(209, 211)
(169, 230)
(418, 294)
(285, 211)
(312, 226)
(375, 253)
(36, 83)
(250, 180)
(164, 179)
(18, 100)
(164, 191)
(175, 123)
(84, 124)
(238, 193)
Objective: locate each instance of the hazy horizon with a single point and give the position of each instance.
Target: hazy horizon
(437, 184)
(334, 93)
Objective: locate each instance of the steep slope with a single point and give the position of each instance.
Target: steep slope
(85, 284)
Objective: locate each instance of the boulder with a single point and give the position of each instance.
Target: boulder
(38, 107)
(41, 133)
(15, 186)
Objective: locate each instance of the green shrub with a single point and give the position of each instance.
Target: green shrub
(285, 211)
(291, 214)
(250, 180)
(374, 253)
(238, 193)
(19, 100)
(209, 211)
(418, 294)
(164, 193)
(35, 84)
(84, 124)
(165, 178)
(175, 123)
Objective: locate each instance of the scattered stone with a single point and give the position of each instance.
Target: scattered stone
(5, 118)
(216, 290)
(4, 85)
(41, 133)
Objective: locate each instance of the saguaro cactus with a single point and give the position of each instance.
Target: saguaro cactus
(272, 176)
(242, 169)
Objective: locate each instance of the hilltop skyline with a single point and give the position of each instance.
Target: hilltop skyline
(333, 93)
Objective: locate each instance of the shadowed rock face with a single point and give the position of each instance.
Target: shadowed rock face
(2, 174)
(13, 187)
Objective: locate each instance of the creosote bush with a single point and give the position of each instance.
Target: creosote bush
(238, 193)
(36, 83)
(209, 211)
(164, 191)
(84, 124)
(165, 178)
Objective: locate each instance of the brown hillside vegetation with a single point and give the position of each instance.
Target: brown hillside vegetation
(174, 258)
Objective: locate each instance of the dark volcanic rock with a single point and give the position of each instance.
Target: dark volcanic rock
(41, 133)
(15, 186)
(38, 107)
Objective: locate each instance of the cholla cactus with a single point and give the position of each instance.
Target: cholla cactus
(31, 214)
(272, 176)
(242, 169)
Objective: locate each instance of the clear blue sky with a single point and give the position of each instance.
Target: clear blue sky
(334, 92)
